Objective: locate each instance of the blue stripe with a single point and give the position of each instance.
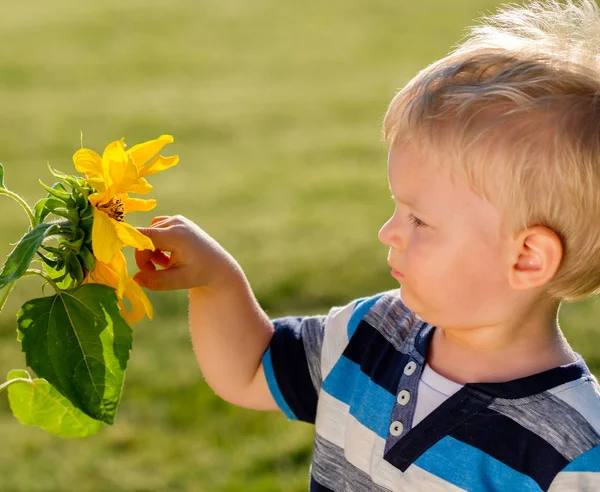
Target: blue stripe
(587, 462)
(361, 308)
(369, 403)
(471, 469)
(274, 387)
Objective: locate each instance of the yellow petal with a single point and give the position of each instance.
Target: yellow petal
(119, 266)
(122, 174)
(111, 274)
(141, 187)
(114, 274)
(99, 198)
(130, 236)
(142, 153)
(138, 205)
(96, 183)
(140, 304)
(158, 164)
(105, 239)
(88, 162)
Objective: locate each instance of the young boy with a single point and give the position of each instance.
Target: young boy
(461, 379)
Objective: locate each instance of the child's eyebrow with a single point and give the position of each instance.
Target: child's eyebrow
(409, 202)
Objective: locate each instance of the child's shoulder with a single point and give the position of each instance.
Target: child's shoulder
(384, 312)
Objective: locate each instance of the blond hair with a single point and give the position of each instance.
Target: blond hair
(517, 108)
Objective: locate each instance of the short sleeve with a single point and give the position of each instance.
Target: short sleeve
(292, 365)
(302, 352)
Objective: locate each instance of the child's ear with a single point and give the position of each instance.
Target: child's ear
(538, 255)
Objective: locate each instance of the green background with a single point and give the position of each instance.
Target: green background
(276, 110)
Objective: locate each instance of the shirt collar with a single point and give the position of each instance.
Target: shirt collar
(516, 388)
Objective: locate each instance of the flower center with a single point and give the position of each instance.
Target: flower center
(114, 209)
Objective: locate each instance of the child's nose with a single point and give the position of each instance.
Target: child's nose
(387, 235)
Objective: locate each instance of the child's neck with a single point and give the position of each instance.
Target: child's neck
(498, 354)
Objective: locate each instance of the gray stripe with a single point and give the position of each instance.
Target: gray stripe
(390, 317)
(312, 337)
(331, 469)
(553, 420)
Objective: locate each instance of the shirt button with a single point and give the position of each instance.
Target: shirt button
(403, 397)
(396, 428)
(410, 368)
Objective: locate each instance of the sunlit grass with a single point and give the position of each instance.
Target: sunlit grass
(276, 110)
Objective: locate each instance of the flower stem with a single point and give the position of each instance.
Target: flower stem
(21, 202)
(6, 384)
(33, 271)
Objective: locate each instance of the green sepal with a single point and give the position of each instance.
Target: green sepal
(60, 276)
(74, 183)
(19, 259)
(78, 341)
(54, 172)
(75, 243)
(56, 251)
(58, 191)
(82, 203)
(86, 223)
(40, 212)
(74, 268)
(55, 263)
(36, 402)
(89, 261)
(58, 207)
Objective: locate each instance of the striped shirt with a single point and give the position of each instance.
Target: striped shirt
(355, 374)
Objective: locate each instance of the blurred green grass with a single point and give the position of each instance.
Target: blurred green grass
(276, 110)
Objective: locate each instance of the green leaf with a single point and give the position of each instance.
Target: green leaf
(78, 341)
(1, 176)
(18, 260)
(37, 402)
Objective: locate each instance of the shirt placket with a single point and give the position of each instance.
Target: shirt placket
(406, 398)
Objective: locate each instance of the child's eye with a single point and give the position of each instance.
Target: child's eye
(416, 221)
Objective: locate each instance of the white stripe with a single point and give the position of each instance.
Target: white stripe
(583, 397)
(576, 482)
(336, 337)
(363, 448)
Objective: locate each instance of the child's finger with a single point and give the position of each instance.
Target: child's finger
(160, 258)
(143, 259)
(169, 279)
(159, 218)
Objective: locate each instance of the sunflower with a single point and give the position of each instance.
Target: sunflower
(114, 176)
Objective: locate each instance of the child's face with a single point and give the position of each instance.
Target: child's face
(454, 267)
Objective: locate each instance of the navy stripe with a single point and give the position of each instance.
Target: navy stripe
(536, 383)
(377, 357)
(317, 487)
(291, 368)
(453, 412)
(512, 444)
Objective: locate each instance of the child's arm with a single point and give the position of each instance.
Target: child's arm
(230, 332)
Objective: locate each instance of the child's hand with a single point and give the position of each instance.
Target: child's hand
(195, 260)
